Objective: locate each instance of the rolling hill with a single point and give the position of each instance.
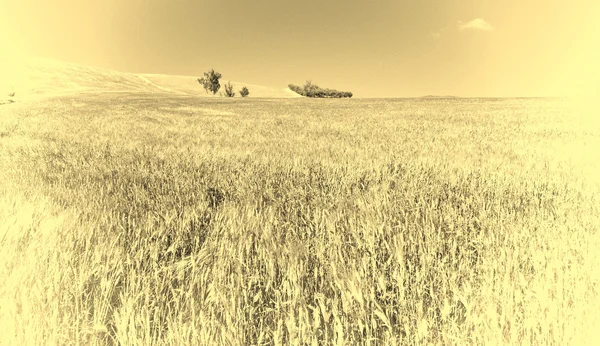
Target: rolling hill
(31, 79)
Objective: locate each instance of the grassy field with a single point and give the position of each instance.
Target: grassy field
(151, 219)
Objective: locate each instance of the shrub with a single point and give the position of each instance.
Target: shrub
(297, 89)
(244, 92)
(210, 81)
(312, 90)
(229, 90)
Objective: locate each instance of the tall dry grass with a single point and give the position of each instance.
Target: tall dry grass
(137, 220)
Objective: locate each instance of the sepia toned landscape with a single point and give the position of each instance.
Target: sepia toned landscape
(148, 208)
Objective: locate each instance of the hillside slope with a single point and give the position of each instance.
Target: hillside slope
(37, 78)
(34, 78)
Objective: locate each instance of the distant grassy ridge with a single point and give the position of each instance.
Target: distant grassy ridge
(439, 97)
(144, 219)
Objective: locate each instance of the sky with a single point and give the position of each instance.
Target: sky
(386, 48)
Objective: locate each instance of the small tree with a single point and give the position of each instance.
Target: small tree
(244, 92)
(210, 81)
(229, 90)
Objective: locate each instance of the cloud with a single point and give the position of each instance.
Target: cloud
(475, 24)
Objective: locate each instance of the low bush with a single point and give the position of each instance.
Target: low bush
(312, 90)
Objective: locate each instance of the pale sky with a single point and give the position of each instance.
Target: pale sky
(387, 48)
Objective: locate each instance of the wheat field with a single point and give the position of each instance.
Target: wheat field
(159, 219)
